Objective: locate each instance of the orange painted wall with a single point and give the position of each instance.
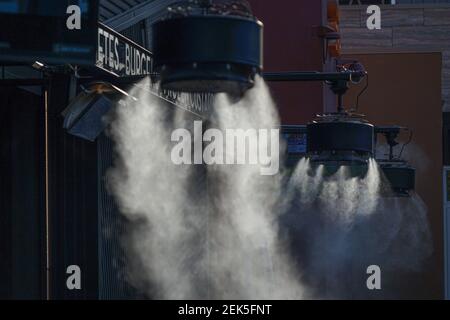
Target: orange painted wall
(291, 44)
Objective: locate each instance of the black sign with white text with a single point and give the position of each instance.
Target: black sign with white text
(120, 56)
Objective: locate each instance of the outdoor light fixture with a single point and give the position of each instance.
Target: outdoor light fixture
(340, 140)
(84, 117)
(329, 154)
(203, 46)
(398, 173)
(38, 65)
(342, 137)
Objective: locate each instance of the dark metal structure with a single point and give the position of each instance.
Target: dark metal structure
(335, 133)
(232, 36)
(342, 137)
(350, 144)
(110, 9)
(400, 175)
(37, 31)
(345, 138)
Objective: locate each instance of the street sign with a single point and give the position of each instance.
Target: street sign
(120, 56)
(41, 30)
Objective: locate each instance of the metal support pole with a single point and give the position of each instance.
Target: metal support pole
(313, 76)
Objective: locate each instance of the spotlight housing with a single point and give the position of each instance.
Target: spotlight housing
(340, 138)
(206, 47)
(400, 175)
(84, 117)
(398, 172)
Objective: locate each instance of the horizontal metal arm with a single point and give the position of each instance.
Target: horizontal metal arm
(314, 76)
